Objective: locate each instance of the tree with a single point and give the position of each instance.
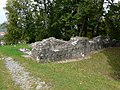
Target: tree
(34, 20)
(12, 35)
(3, 27)
(113, 21)
(20, 21)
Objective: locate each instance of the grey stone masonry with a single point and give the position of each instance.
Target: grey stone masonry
(52, 49)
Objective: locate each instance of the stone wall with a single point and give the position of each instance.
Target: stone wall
(52, 49)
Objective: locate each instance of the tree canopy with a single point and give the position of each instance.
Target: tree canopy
(3, 27)
(34, 20)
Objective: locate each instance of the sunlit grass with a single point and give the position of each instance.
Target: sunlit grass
(97, 73)
(6, 82)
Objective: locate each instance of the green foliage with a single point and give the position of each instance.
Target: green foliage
(113, 21)
(3, 27)
(34, 20)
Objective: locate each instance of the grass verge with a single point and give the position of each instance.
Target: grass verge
(101, 72)
(6, 82)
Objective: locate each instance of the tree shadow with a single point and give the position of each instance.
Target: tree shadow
(113, 55)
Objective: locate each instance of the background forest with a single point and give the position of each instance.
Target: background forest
(34, 20)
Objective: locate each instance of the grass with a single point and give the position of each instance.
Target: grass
(6, 82)
(101, 72)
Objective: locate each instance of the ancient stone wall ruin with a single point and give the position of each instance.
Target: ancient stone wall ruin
(52, 49)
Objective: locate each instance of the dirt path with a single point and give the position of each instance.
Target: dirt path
(22, 78)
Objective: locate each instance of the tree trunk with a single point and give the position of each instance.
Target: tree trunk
(45, 15)
(84, 27)
(98, 19)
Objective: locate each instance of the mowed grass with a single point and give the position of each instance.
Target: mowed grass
(6, 82)
(100, 72)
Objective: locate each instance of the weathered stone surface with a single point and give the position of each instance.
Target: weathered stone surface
(23, 78)
(25, 51)
(96, 43)
(52, 49)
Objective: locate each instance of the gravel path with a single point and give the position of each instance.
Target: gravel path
(23, 78)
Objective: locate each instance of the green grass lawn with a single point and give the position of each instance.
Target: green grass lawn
(6, 82)
(101, 72)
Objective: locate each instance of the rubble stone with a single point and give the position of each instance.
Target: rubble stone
(52, 49)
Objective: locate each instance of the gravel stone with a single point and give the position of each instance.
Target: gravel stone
(23, 78)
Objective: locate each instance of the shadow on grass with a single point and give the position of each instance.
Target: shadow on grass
(113, 55)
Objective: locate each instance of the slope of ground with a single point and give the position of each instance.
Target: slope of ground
(101, 72)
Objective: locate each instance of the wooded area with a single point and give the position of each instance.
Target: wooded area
(34, 20)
